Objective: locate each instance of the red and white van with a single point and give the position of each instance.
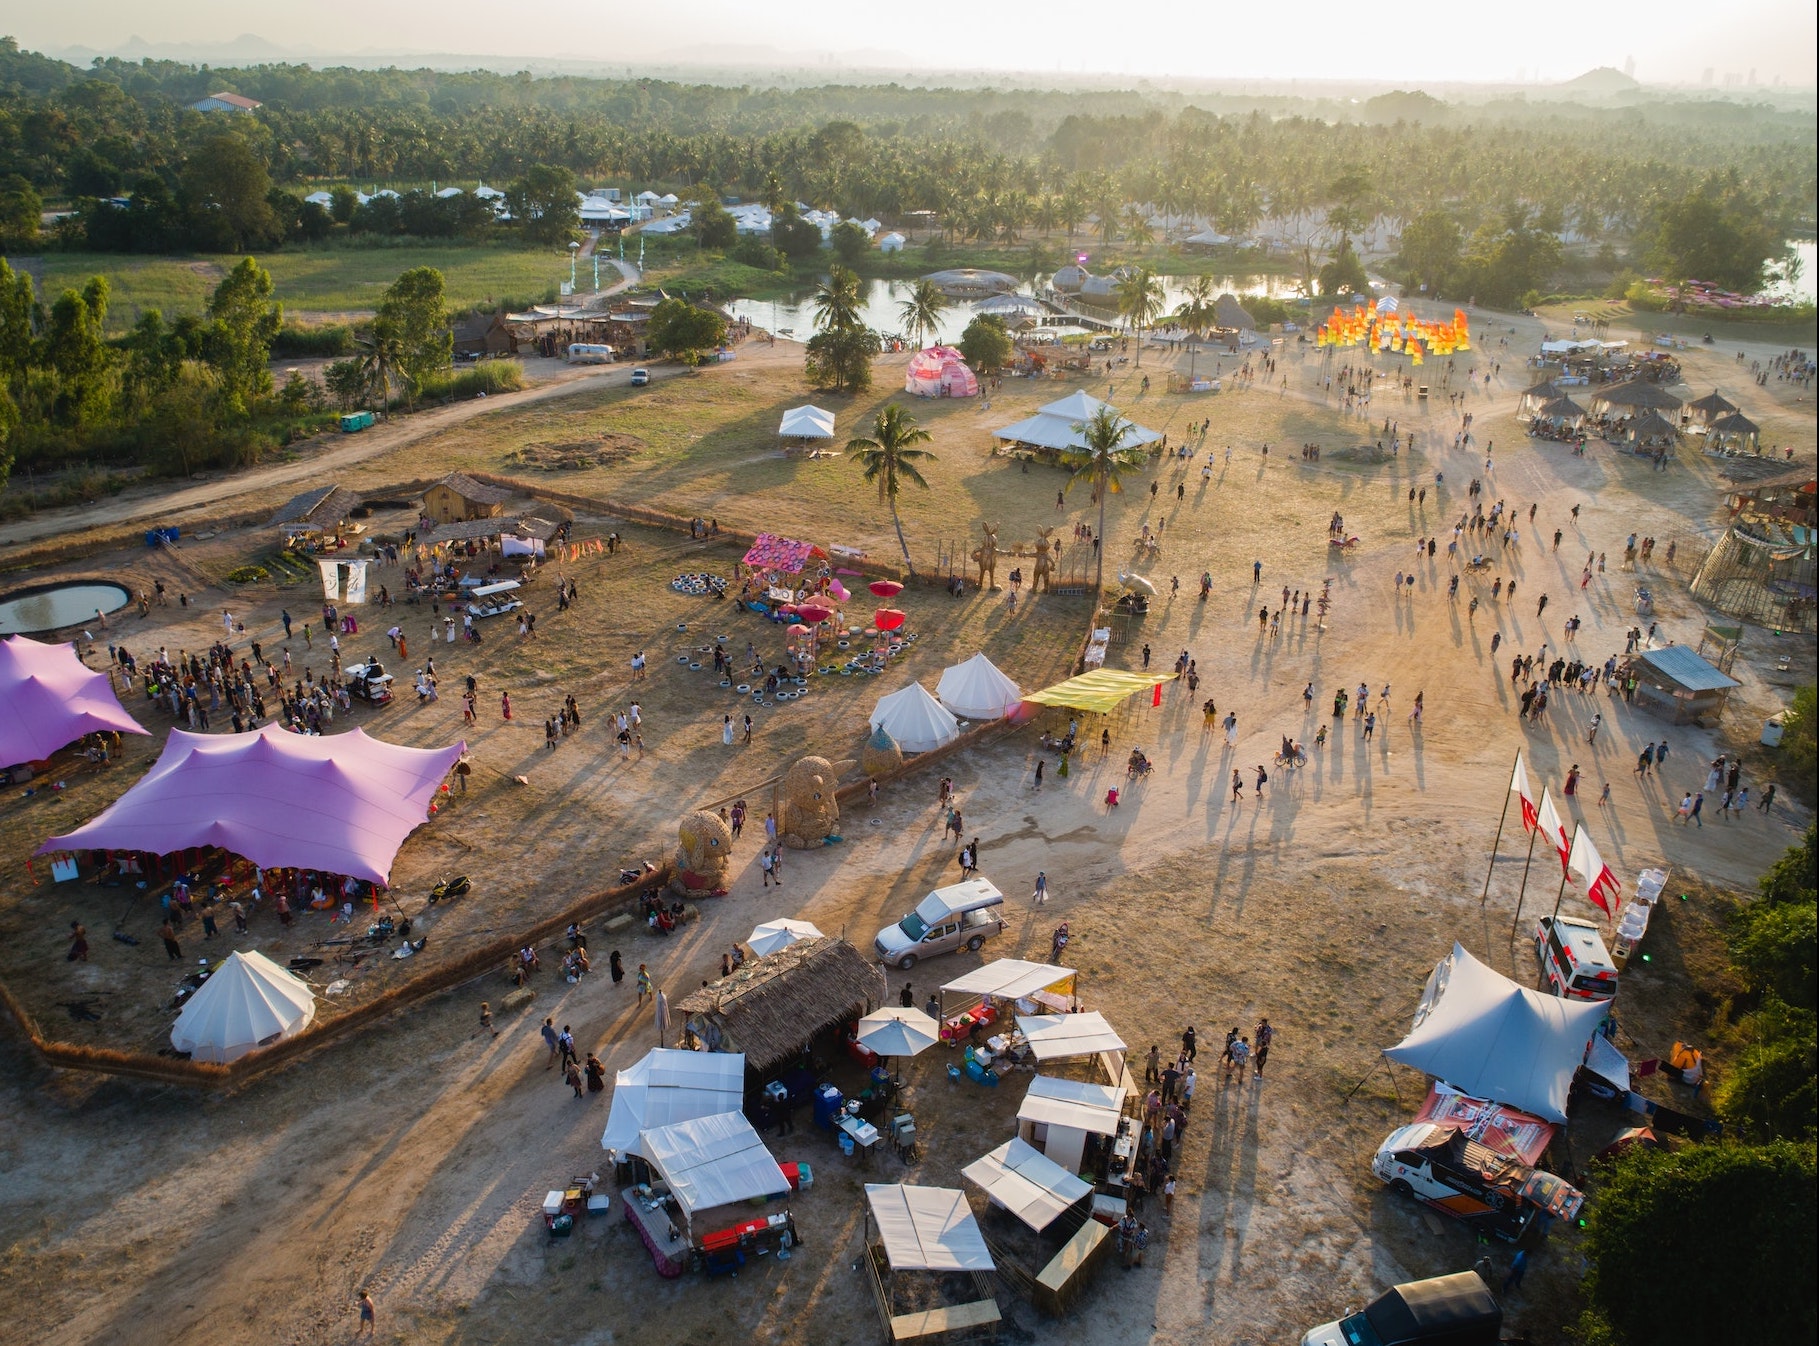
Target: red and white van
(1574, 962)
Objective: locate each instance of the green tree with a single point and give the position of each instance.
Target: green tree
(1345, 273)
(890, 458)
(1799, 766)
(379, 362)
(9, 425)
(17, 311)
(1715, 233)
(682, 330)
(851, 242)
(841, 358)
(153, 355)
(244, 320)
(20, 210)
(921, 312)
(75, 352)
(1103, 461)
(347, 382)
(1140, 299)
(1690, 1245)
(413, 315)
(986, 345)
(715, 227)
(794, 236)
(837, 300)
(1430, 248)
(544, 204)
(226, 190)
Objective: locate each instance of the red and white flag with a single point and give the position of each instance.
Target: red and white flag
(1601, 886)
(1519, 788)
(1552, 829)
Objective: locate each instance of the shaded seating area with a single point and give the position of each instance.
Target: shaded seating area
(1038, 1224)
(1679, 684)
(930, 1269)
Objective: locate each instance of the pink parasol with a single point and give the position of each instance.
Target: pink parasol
(814, 613)
(798, 629)
(889, 619)
(885, 588)
(838, 591)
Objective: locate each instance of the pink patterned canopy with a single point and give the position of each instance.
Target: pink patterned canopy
(49, 698)
(940, 371)
(770, 552)
(340, 803)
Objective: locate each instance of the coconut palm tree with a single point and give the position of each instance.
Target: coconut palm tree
(1101, 462)
(890, 457)
(921, 312)
(1140, 299)
(1197, 314)
(837, 300)
(380, 358)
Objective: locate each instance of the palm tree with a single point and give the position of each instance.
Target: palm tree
(379, 364)
(1140, 298)
(1197, 314)
(1101, 461)
(890, 458)
(1137, 226)
(837, 300)
(921, 312)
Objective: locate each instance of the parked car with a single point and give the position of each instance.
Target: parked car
(1456, 1310)
(1470, 1181)
(955, 917)
(1574, 960)
(640, 377)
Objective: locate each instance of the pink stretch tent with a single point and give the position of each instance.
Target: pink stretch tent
(341, 803)
(49, 697)
(770, 552)
(940, 371)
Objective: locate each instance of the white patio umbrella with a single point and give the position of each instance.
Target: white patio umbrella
(661, 1016)
(779, 934)
(897, 1031)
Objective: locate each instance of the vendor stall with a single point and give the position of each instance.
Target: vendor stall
(670, 1086)
(921, 1230)
(706, 1164)
(975, 998)
(1076, 1037)
(1058, 1116)
(1039, 1227)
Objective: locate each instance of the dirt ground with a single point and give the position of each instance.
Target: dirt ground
(412, 1161)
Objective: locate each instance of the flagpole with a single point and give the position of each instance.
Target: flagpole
(1561, 896)
(1522, 892)
(1501, 819)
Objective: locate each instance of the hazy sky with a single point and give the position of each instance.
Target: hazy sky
(1671, 41)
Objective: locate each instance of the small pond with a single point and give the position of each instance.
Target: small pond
(58, 605)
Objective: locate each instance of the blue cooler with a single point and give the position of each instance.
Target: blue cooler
(828, 1104)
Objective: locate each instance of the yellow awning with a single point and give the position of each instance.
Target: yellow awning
(1101, 690)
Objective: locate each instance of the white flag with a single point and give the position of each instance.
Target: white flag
(1552, 829)
(1520, 788)
(1601, 886)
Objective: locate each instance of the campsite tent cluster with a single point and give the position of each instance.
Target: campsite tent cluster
(919, 722)
(1384, 327)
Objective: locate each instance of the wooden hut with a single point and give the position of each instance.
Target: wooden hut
(458, 497)
(773, 1007)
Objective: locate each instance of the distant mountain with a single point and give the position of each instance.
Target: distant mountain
(247, 49)
(1603, 80)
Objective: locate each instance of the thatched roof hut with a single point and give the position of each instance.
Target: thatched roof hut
(773, 1006)
(1560, 409)
(1229, 314)
(1636, 395)
(1708, 409)
(1652, 426)
(323, 509)
(1735, 427)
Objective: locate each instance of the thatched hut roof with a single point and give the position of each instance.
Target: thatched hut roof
(1638, 394)
(1650, 425)
(1229, 313)
(1560, 409)
(1710, 408)
(1545, 391)
(322, 508)
(1735, 424)
(771, 1007)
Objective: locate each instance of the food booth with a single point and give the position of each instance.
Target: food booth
(702, 1166)
(1084, 1037)
(923, 1237)
(1038, 1226)
(976, 1000)
(1059, 1116)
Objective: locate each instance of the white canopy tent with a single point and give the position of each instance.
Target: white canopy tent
(1015, 979)
(1052, 427)
(1060, 1037)
(767, 938)
(1488, 1037)
(976, 690)
(712, 1161)
(927, 1228)
(807, 422)
(917, 721)
(249, 1002)
(670, 1086)
(897, 1031)
(1027, 1183)
(1058, 1115)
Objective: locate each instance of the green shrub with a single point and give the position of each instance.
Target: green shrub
(248, 575)
(495, 376)
(295, 341)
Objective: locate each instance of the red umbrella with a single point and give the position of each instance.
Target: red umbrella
(814, 613)
(889, 619)
(886, 588)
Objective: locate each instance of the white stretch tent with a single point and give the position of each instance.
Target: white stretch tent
(766, 939)
(1052, 427)
(976, 690)
(1490, 1038)
(1027, 1183)
(1057, 1037)
(249, 1001)
(915, 719)
(712, 1161)
(809, 422)
(1060, 1114)
(927, 1228)
(670, 1086)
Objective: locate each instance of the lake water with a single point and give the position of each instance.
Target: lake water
(66, 605)
(1805, 289)
(880, 309)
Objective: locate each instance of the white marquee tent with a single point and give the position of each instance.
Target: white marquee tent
(976, 690)
(1058, 1115)
(915, 719)
(809, 422)
(249, 1001)
(927, 1228)
(712, 1161)
(1052, 427)
(1027, 1183)
(670, 1086)
(1488, 1037)
(1017, 979)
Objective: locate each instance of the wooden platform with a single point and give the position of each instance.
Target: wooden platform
(954, 1318)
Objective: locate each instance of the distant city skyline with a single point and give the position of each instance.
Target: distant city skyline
(1760, 43)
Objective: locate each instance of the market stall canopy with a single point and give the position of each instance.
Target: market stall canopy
(976, 690)
(809, 422)
(896, 1031)
(917, 721)
(779, 934)
(1490, 1038)
(1027, 1183)
(1015, 979)
(249, 1001)
(770, 552)
(340, 803)
(712, 1161)
(1054, 1037)
(1683, 669)
(1054, 426)
(1085, 1107)
(1102, 689)
(670, 1086)
(927, 1228)
(49, 698)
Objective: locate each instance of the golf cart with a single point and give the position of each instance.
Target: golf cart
(494, 600)
(370, 682)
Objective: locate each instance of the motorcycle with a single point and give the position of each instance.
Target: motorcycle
(1058, 944)
(449, 889)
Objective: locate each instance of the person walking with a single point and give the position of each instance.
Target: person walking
(1265, 1037)
(365, 1303)
(1518, 1269)
(764, 863)
(571, 1076)
(1152, 1065)
(1190, 1044)
(1041, 763)
(1698, 803)
(616, 965)
(1041, 894)
(550, 1038)
(644, 983)
(1768, 797)
(78, 943)
(168, 933)
(486, 1019)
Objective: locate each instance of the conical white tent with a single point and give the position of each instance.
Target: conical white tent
(779, 934)
(1490, 1038)
(1052, 427)
(976, 690)
(915, 719)
(247, 1003)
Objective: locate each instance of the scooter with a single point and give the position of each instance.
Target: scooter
(449, 889)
